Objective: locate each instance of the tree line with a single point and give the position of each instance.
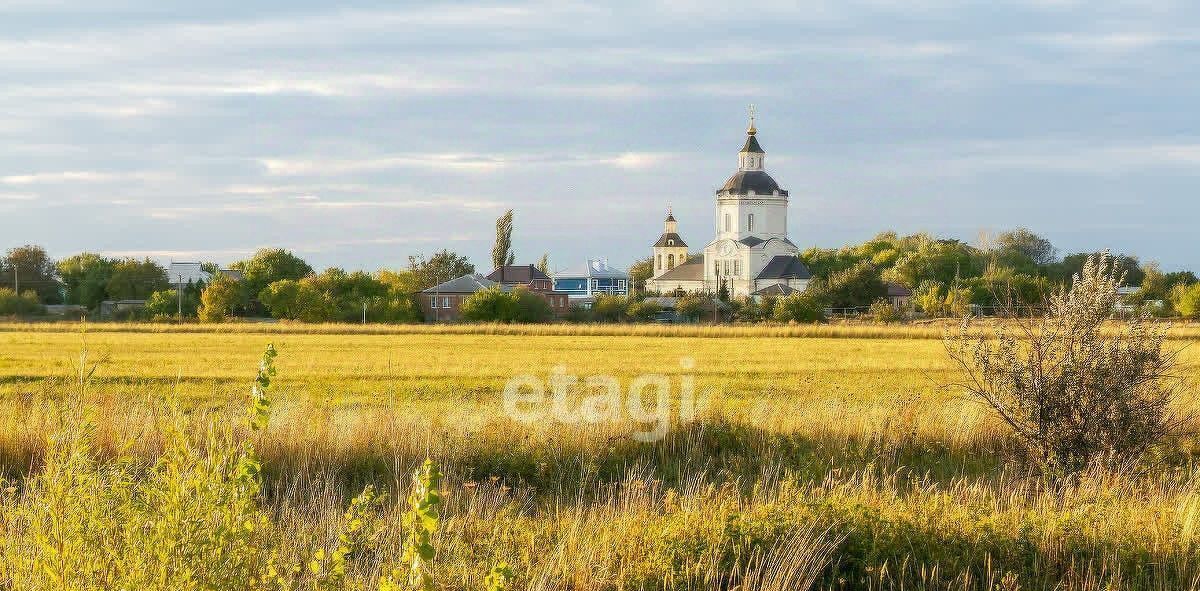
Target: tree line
(946, 277)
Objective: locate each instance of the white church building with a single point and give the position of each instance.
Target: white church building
(751, 254)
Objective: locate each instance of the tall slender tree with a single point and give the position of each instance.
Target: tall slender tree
(502, 252)
(543, 264)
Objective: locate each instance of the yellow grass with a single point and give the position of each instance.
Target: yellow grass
(853, 439)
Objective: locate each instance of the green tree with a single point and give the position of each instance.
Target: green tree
(502, 251)
(803, 306)
(529, 307)
(1186, 300)
(639, 272)
(609, 308)
(939, 260)
(859, 285)
(488, 305)
(29, 267)
(219, 298)
(162, 304)
(690, 307)
(132, 279)
(543, 263)
(26, 304)
(281, 298)
(443, 266)
(85, 277)
(1023, 250)
(267, 266)
(1072, 265)
(930, 298)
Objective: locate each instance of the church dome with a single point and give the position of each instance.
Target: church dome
(744, 181)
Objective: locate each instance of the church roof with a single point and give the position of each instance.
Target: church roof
(684, 272)
(665, 239)
(784, 267)
(752, 241)
(744, 181)
(752, 145)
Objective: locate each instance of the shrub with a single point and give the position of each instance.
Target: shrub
(608, 308)
(643, 311)
(579, 314)
(496, 305)
(882, 310)
(488, 305)
(218, 299)
(1186, 300)
(690, 307)
(1072, 395)
(26, 304)
(799, 307)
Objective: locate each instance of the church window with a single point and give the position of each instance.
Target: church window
(725, 266)
(716, 267)
(670, 261)
(737, 268)
(726, 222)
(750, 222)
(659, 263)
(670, 242)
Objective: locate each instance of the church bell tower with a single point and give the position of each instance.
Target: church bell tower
(670, 251)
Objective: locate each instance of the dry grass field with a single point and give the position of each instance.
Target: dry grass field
(831, 450)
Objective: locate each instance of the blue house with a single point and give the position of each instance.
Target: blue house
(594, 278)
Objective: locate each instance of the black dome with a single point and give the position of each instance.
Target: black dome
(745, 181)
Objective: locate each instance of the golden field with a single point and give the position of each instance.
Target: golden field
(836, 437)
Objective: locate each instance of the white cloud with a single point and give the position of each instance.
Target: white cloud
(79, 176)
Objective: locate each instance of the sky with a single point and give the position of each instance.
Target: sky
(359, 133)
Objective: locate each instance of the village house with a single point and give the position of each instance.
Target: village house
(441, 303)
(592, 279)
(536, 281)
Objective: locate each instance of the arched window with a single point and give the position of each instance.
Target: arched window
(750, 222)
(726, 222)
(670, 261)
(658, 265)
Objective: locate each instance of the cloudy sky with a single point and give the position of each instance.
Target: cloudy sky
(357, 133)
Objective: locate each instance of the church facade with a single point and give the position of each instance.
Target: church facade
(750, 254)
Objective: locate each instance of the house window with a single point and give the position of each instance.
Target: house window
(446, 302)
(433, 303)
(670, 261)
(750, 222)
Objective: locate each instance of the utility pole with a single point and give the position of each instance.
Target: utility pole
(179, 295)
(364, 312)
(16, 280)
